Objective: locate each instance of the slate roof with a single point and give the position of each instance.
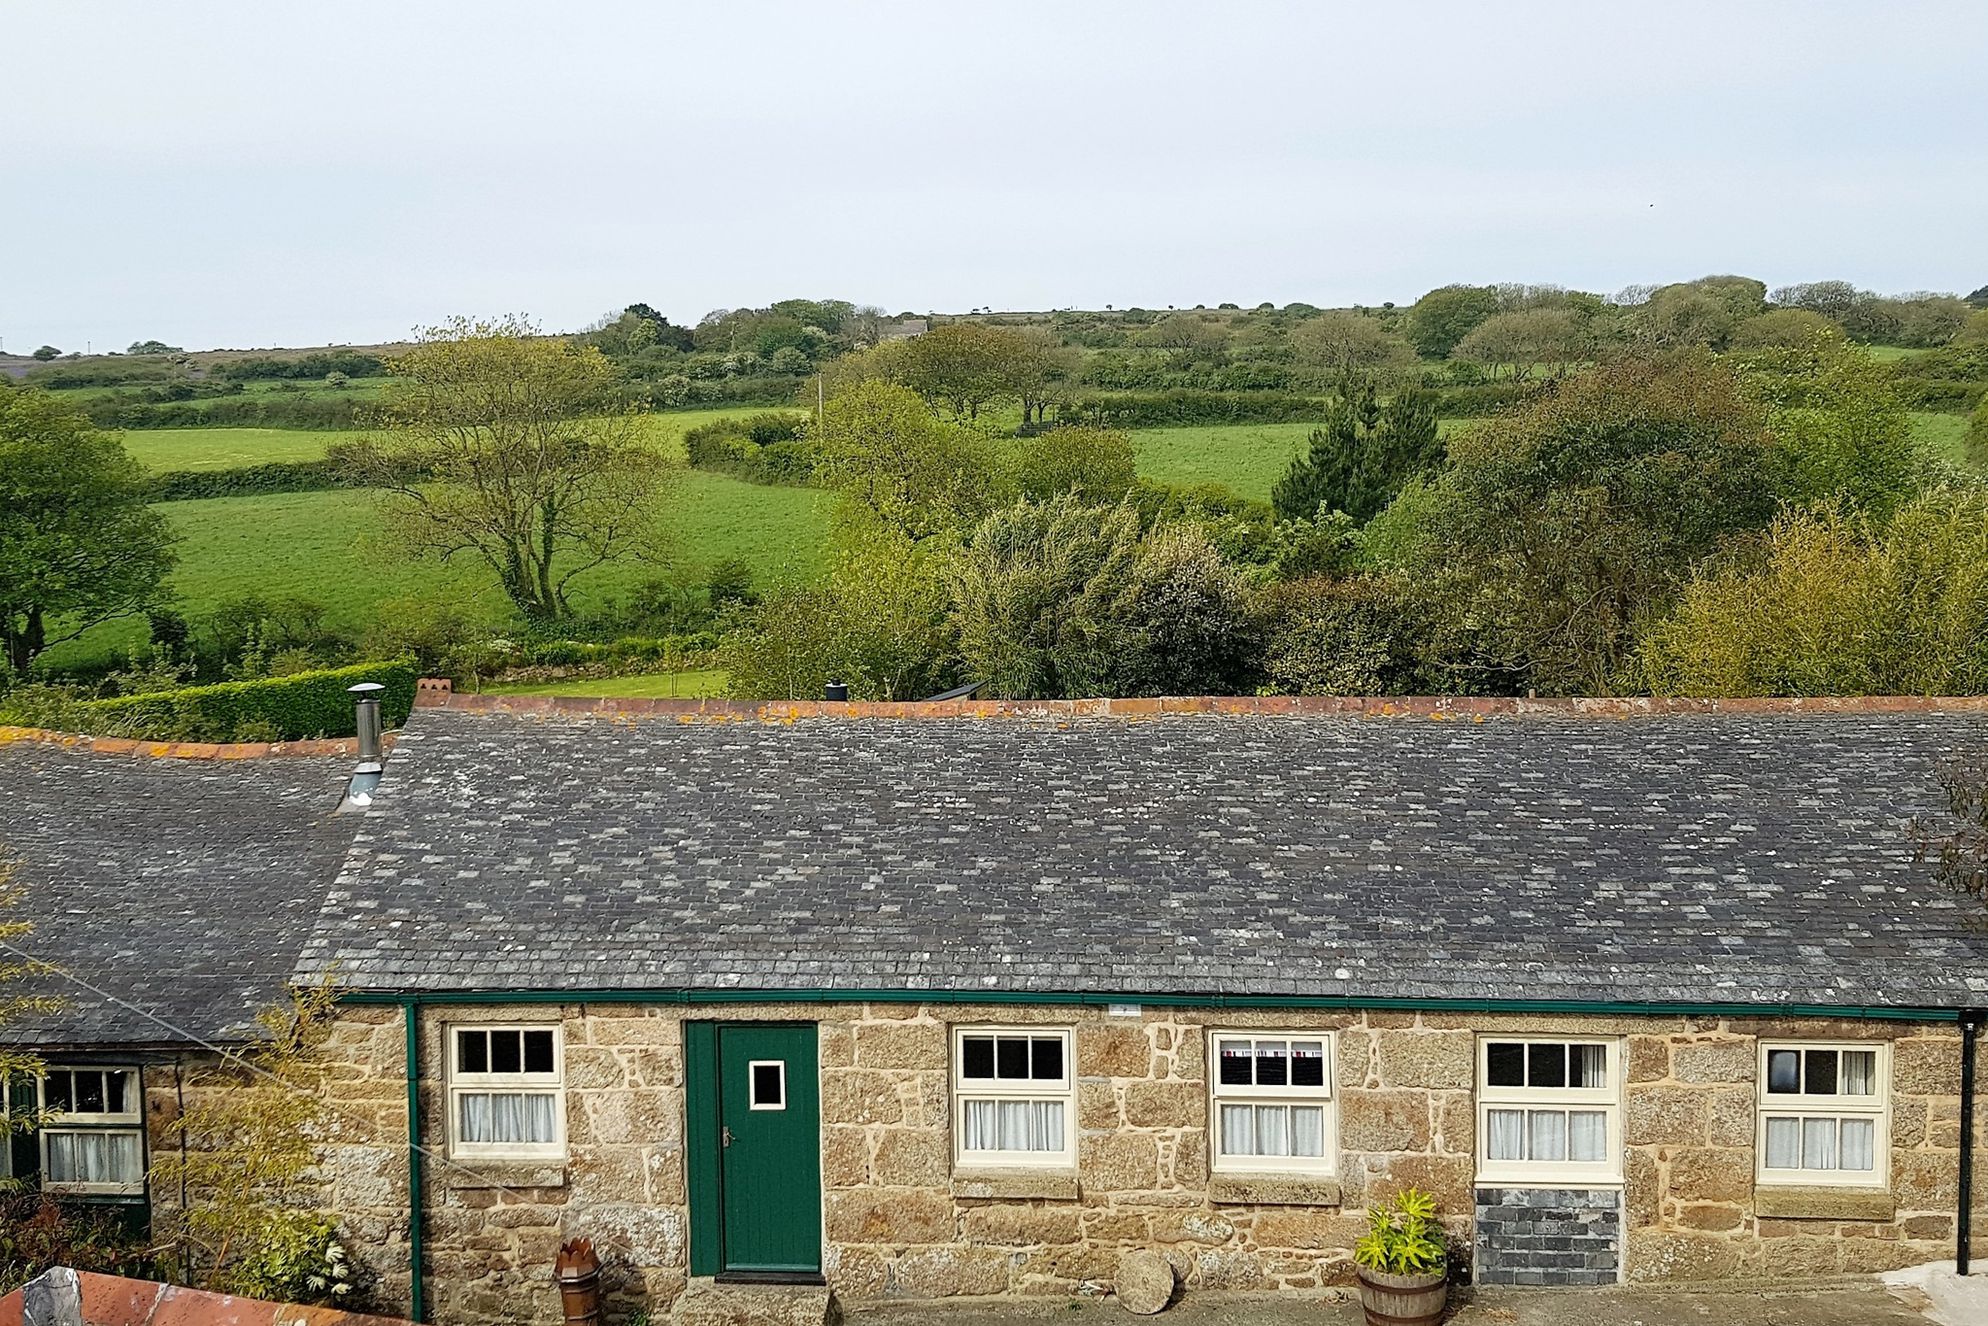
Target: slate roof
(1729, 858)
(184, 887)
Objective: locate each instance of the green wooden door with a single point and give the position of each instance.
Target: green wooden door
(769, 1150)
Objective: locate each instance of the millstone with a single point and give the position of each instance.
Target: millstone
(1145, 1282)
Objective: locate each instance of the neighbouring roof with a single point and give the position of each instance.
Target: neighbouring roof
(1743, 857)
(182, 886)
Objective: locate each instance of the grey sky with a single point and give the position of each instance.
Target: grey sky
(287, 173)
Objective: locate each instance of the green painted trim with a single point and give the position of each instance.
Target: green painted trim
(700, 1080)
(417, 1289)
(1614, 1008)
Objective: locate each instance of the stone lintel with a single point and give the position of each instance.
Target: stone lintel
(1273, 1190)
(1824, 1203)
(1020, 1182)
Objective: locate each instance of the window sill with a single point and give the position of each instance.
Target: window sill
(1274, 1190)
(471, 1172)
(1821, 1203)
(1019, 1182)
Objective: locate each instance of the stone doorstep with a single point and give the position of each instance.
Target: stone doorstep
(707, 1303)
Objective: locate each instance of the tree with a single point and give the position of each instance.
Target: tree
(1785, 328)
(1096, 464)
(1038, 372)
(46, 352)
(1343, 343)
(1189, 332)
(78, 544)
(1358, 636)
(899, 467)
(1444, 316)
(1525, 337)
(1841, 432)
(1831, 299)
(152, 348)
(1840, 604)
(1979, 298)
(965, 365)
(1563, 527)
(248, 1154)
(497, 443)
(1362, 455)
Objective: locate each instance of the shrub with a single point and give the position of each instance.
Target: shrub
(1403, 1236)
(761, 448)
(1325, 636)
(297, 707)
(1168, 409)
(1094, 463)
(38, 1232)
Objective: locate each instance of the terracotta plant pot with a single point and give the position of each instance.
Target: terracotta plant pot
(1403, 1300)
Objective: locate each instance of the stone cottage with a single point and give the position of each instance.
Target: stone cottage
(975, 999)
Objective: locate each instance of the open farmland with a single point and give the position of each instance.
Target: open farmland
(1248, 458)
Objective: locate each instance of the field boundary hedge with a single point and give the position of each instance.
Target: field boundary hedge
(302, 706)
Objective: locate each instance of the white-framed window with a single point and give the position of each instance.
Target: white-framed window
(1549, 1110)
(1824, 1110)
(1013, 1097)
(766, 1084)
(93, 1132)
(507, 1096)
(1272, 1102)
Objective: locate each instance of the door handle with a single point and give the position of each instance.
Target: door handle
(725, 1136)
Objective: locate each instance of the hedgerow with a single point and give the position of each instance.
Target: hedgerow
(293, 708)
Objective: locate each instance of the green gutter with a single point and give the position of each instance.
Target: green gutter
(417, 1287)
(1610, 1008)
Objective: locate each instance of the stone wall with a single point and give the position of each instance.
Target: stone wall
(900, 1221)
(1548, 1236)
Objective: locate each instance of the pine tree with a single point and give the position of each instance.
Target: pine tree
(1362, 456)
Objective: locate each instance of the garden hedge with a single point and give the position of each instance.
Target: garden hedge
(293, 708)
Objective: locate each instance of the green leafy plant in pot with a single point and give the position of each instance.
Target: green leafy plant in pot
(1403, 1263)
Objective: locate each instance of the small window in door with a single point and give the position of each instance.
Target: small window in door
(768, 1078)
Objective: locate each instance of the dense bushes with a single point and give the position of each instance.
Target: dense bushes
(351, 363)
(760, 448)
(306, 704)
(1171, 409)
(277, 476)
(257, 411)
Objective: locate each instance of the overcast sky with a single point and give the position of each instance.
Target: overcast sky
(253, 174)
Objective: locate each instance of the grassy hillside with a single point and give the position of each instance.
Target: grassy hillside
(1944, 434)
(1248, 458)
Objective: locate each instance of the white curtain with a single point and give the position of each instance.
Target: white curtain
(1587, 1135)
(95, 1158)
(1273, 1130)
(507, 1116)
(1784, 1143)
(1588, 1066)
(1308, 1130)
(1859, 1075)
(1507, 1129)
(1238, 1130)
(1818, 1144)
(1014, 1125)
(1857, 1142)
(1547, 1131)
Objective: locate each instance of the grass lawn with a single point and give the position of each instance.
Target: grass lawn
(1248, 458)
(648, 686)
(327, 547)
(1944, 434)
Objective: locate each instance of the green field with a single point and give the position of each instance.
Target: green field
(328, 547)
(1944, 434)
(1248, 458)
(648, 686)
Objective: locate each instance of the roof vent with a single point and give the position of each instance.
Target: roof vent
(372, 764)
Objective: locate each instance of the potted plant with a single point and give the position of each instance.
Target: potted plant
(1403, 1265)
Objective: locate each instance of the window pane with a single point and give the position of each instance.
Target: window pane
(1013, 1125)
(1856, 1139)
(1784, 1072)
(1011, 1058)
(1273, 1064)
(766, 1087)
(1235, 1060)
(473, 1052)
(1046, 1058)
(114, 1092)
(1820, 1077)
(1784, 1143)
(1507, 1134)
(1505, 1064)
(1308, 1130)
(538, 1052)
(1547, 1131)
(89, 1093)
(1860, 1073)
(59, 1091)
(95, 1158)
(1587, 1066)
(1818, 1144)
(1307, 1063)
(506, 1054)
(501, 1117)
(1587, 1135)
(1238, 1130)
(1546, 1065)
(976, 1057)
(1273, 1133)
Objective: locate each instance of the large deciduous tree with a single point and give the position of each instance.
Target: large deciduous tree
(1343, 343)
(503, 445)
(1444, 316)
(899, 467)
(78, 544)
